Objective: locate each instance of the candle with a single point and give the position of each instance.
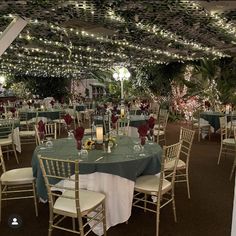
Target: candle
(99, 134)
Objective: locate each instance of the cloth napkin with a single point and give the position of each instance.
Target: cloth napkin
(151, 122)
(52, 103)
(114, 118)
(142, 130)
(13, 110)
(79, 133)
(68, 119)
(41, 127)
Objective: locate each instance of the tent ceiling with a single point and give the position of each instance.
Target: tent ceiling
(64, 38)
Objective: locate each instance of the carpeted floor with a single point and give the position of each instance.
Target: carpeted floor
(207, 213)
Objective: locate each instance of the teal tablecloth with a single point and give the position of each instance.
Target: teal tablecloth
(213, 118)
(122, 161)
(55, 114)
(135, 120)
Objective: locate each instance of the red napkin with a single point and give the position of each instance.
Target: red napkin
(114, 118)
(41, 127)
(68, 119)
(52, 103)
(142, 130)
(79, 133)
(151, 122)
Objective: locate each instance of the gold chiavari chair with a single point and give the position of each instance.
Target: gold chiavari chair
(16, 184)
(73, 202)
(160, 186)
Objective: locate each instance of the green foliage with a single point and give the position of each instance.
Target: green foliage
(159, 77)
(43, 86)
(19, 90)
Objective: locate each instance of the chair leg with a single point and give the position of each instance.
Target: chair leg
(0, 202)
(233, 168)
(50, 223)
(14, 150)
(158, 217)
(221, 147)
(35, 199)
(104, 219)
(173, 206)
(188, 188)
(199, 135)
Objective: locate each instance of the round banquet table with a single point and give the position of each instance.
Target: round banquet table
(134, 120)
(111, 173)
(213, 118)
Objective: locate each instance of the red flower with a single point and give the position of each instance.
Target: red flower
(142, 130)
(68, 119)
(79, 133)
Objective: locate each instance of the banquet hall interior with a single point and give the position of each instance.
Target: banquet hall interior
(117, 117)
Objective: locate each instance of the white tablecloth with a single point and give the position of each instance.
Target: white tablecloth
(119, 196)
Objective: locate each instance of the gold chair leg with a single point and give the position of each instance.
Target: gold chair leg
(221, 147)
(104, 219)
(233, 168)
(188, 188)
(14, 150)
(35, 199)
(174, 208)
(0, 202)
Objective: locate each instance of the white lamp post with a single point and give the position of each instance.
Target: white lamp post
(121, 75)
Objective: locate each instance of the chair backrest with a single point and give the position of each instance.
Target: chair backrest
(50, 131)
(186, 136)
(6, 129)
(55, 170)
(170, 157)
(123, 126)
(223, 127)
(79, 118)
(2, 163)
(162, 119)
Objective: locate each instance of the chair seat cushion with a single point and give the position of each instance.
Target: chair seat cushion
(23, 122)
(24, 133)
(180, 165)
(5, 141)
(17, 176)
(61, 121)
(158, 132)
(229, 141)
(88, 200)
(201, 125)
(150, 183)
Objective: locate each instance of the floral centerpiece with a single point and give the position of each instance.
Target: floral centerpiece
(89, 144)
(112, 142)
